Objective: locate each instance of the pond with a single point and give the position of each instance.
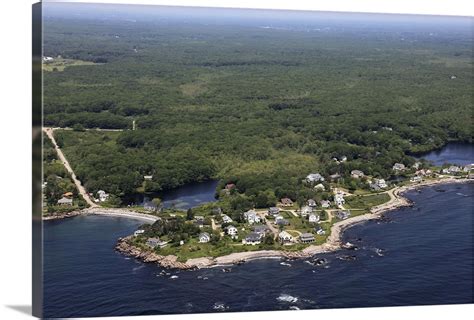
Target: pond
(454, 153)
(185, 197)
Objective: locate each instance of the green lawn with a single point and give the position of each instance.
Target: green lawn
(366, 202)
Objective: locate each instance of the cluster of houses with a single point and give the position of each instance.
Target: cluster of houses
(286, 238)
(256, 236)
(307, 211)
(457, 169)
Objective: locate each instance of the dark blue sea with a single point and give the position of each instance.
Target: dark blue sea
(427, 259)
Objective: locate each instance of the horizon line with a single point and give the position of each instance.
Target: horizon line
(85, 2)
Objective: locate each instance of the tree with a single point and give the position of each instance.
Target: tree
(78, 127)
(269, 239)
(189, 214)
(157, 203)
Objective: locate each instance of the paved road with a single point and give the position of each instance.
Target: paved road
(50, 133)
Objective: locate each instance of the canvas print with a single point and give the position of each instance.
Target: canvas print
(199, 160)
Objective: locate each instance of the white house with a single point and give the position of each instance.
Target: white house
(454, 169)
(312, 203)
(226, 219)
(306, 238)
(278, 218)
(251, 217)
(306, 210)
(232, 231)
(325, 203)
(149, 177)
(313, 218)
(65, 201)
(285, 237)
(380, 183)
(314, 177)
(357, 174)
(138, 232)
(102, 195)
(204, 237)
(339, 199)
(398, 167)
(320, 187)
(416, 179)
(252, 239)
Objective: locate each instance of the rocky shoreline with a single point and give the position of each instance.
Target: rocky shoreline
(333, 242)
(60, 216)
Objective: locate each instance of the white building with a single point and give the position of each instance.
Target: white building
(306, 210)
(102, 195)
(204, 237)
(313, 218)
(285, 237)
(357, 174)
(398, 167)
(138, 232)
(339, 199)
(325, 203)
(320, 187)
(314, 177)
(251, 217)
(226, 219)
(380, 183)
(232, 231)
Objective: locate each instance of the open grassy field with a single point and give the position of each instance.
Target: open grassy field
(59, 64)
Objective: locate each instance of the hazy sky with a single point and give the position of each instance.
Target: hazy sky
(440, 7)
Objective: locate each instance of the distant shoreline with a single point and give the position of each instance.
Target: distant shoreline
(333, 242)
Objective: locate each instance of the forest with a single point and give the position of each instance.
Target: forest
(260, 107)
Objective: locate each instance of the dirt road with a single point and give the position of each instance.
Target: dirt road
(50, 133)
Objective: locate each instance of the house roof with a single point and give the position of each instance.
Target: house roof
(253, 236)
(260, 228)
(282, 221)
(306, 236)
(64, 200)
(284, 234)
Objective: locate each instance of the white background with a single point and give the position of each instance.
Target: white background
(15, 133)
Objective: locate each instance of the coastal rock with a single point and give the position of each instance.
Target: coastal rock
(125, 247)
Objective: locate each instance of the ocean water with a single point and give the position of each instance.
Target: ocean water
(427, 259)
